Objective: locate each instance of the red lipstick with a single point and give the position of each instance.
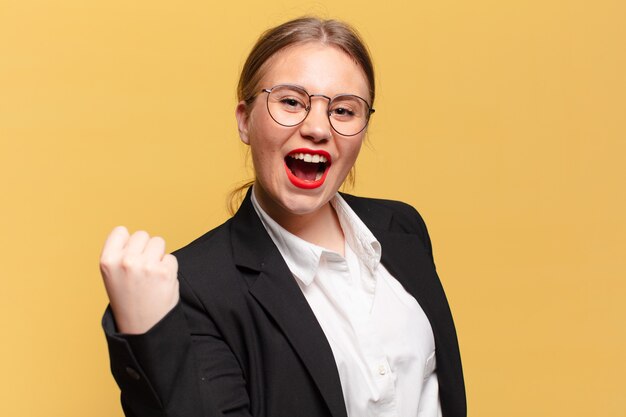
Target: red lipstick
(307, 168)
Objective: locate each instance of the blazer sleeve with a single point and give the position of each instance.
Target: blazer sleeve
(181, 367)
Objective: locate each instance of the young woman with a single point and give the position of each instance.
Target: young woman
(307, 302)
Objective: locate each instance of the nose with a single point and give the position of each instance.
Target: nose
(316, 125)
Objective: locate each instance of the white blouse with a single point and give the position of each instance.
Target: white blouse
(381, 339)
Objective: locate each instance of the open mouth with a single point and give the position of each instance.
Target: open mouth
(307, 168)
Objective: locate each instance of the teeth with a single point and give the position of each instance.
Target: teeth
(318, 176)
(306, 157)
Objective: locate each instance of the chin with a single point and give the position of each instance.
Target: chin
(284, 198)
(302, 205)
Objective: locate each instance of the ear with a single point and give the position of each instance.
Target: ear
(241, 113)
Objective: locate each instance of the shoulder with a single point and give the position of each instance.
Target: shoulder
(392, 215)
(209, 240)
(403, 216)
(209, 252)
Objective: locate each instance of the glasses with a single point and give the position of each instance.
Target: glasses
(289, 105)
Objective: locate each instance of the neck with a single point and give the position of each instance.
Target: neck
(321, 227)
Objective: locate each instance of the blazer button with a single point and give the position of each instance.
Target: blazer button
(132, 373)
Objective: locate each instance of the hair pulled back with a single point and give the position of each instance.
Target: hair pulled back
(299, 31)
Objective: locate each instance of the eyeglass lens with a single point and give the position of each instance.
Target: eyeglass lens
(290, 105)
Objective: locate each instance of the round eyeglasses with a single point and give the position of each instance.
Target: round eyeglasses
(289, 105)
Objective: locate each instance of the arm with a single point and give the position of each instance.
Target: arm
(180, 366)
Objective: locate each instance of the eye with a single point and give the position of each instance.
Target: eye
(288, 99)
(342, 111)
(292, 103)
(347, 108)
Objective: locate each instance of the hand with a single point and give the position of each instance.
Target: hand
(140, 279)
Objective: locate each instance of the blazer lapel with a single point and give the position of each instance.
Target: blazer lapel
(277, 292)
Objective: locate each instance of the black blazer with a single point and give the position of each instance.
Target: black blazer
(243, 341)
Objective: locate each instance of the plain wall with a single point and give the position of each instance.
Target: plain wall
(502, 122)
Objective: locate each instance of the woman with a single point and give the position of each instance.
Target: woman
(306, 302)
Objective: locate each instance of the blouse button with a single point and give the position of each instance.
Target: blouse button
(382, 370)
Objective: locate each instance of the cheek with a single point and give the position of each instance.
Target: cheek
(264, 132)
(266, 154)
(260, 158)
(352, 152)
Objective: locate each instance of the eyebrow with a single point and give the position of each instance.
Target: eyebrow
(317, 94)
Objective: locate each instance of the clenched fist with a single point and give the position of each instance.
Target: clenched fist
(140, 279)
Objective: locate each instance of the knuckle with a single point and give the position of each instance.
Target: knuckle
(170, 260)
(108, 262)
(156, 270)
(150, 269)
(105, 270)
(129, 263)
(166, 272)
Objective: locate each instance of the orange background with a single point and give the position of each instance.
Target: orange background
(502, 122)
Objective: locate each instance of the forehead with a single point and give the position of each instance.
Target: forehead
(319, 68)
